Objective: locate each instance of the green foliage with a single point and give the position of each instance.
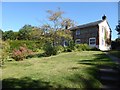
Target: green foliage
(21, 53)
(49, 49)
(33, 45)
(57, 37)
(82, 47)
(25, 32)
(118, 28)
(52, 50)
(116, 44)
(4, 51)
(1, 34)
(67, 49)
(9, 35)
(59, 48)
(70, 47)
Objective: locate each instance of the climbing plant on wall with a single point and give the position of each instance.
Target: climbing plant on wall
(106, 38)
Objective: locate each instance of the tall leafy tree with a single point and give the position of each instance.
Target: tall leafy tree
(25, 32)
(9, 35)
(36, 34)
(118, 28)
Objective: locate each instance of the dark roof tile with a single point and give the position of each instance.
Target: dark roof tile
(87, 25)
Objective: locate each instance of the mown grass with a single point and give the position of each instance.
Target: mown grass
(66, 70)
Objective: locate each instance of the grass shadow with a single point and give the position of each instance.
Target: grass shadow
(25, 82)
(100, 59)
(85, 83)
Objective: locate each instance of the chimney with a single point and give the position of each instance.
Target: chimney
(104, 17)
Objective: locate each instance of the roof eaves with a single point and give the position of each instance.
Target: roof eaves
(86, 25)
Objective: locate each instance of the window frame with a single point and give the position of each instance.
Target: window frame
(77, 33)
(77, 40)
(92, 41)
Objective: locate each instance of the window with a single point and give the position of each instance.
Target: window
(102, 29)
(65, 43)
(77, 32)
(77, 41)
(92, 41)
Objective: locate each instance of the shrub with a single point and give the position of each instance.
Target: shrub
(67, 49)
(70, 47)
(21, 53)
(78, 47)
(50, 49)
(86, 47)
(59, 49)
(82, 47)
(4, 51)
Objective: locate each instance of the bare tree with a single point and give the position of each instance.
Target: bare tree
(55, 17)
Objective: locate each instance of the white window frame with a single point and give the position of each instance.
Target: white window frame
(77, 40)
(92, 41)
(77, 32)
(64, 44)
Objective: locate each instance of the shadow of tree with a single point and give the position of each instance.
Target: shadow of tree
(25, 82)
(86, 83)
(94, 81)
(100, 59)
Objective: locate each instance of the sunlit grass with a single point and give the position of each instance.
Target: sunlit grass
(70, 70)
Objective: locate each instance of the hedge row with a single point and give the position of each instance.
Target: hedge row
(32, 45)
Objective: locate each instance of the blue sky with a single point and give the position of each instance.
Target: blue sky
(16, 14)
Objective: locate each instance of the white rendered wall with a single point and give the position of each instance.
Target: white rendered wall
(101, 36)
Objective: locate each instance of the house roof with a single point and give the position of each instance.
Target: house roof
(87, 25)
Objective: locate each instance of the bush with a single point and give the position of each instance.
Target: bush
(70, 47)
(21, 53)
(86, 47)
(67, 49)
(50, 49)
(82, 47)
(4, 52)
(59, 49)
(32, 45)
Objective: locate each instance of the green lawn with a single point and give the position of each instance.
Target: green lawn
(66, 70)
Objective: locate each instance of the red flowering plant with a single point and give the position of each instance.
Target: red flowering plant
(21, 53)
